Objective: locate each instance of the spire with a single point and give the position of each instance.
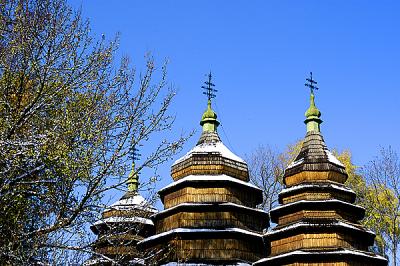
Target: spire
(312, 114)
(209, 120)
(133, 178)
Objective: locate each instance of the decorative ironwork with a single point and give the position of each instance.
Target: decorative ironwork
(209, 89)
(134, 154)
(311, 83)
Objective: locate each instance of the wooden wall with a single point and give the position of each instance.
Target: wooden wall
(211, 194)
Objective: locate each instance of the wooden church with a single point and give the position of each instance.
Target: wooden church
(317, 221)
(210, 215)
(123, 224)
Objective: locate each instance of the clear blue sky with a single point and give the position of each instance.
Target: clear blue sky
(260, 53)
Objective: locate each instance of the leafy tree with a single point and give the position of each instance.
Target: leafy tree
(366, 197)
(69, 119)
(383, 197)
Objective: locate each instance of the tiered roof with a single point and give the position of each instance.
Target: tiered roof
(317, 221)
(210, 214)
(123, 224)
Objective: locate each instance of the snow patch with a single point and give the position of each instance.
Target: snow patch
(205, 205)
(325, 225)
(134, 219)
(216, 147)
(203, 264)
(102, 261)
(332, 158)
(209, 178)
(338, 252)
(135, 202)
(316, 201)
(301, 186)
(95, 261)
(200, 230)
(295, 163)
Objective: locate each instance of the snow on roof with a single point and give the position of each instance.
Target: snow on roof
(208, 178)
(135, 202)
(214, 147)
(101, 261)
(325, 252)
(205, 205)
(302, 186)
(295, 163)
(316, 201)
(204, 264)
(137, 261)
(200, 230)
(95, 261)
(325, 225)
(332, 158)
(134, 219)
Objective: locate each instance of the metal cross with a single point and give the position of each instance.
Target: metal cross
(134, 155)
(209, 89)
(311, 84)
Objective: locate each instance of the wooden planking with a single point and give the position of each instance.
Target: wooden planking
(332, 263)
(323, 195)
(315, 214)
(210, 170)
(210, 194)
(320, 241)
(216, 220)
(209, 165)
(126, 213)
(216, 250)
(111, 251)
(314, 176)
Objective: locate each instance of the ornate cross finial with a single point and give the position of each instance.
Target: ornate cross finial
(134, 155)
(209, 89)
(311, 84)
(133, 178)
(313, 120)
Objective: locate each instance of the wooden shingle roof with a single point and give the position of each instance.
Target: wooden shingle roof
(314, 156)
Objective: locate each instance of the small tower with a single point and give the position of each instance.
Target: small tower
(317, 221)
(210, 215)
(123, 224)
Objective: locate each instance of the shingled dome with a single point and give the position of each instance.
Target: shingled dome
(317, 221)
(210, 215)
(123, 224)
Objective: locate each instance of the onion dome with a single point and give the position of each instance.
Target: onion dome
(123, 224)
(209, 120)
(210, 215)
(318, 223)
(312, 115)
(210, 156)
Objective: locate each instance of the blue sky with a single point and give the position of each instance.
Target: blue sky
(260, 53)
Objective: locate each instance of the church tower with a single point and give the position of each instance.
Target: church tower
(210, 215)
(123, 225)
(317, 221)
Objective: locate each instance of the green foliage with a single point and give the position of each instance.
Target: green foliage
(376, 192)
(381, 203)
(69, 119)
(383, 200)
